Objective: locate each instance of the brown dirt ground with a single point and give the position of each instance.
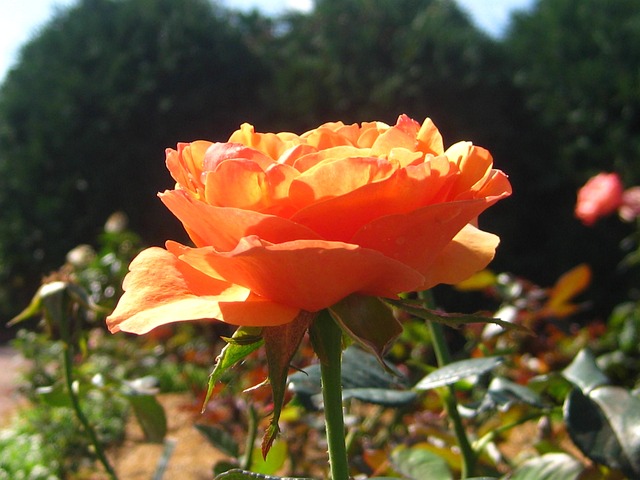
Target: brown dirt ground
(192, 457)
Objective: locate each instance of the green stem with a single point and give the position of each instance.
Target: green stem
(75, 402)
(63, 315)
(448, 395)
(326, 338)
(251, 438)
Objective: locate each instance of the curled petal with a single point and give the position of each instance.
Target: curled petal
(186, 164)
(307, 274)
(160, 289)
(470, 251)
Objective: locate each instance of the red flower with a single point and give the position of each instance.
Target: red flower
(599, 197)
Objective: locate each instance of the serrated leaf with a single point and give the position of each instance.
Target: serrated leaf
(456, 371)
(584, 372)
(238, 474)
(551, 466)
(281, 343)
(367, 320)
(220, 439)
(417, 463)
(150, 415)
(604, 425)
(231, 354)
(454, 320)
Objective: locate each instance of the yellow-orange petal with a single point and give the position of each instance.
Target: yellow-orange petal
(306, 274)
(470, 251)
(429, 138)
(186, 163)
(339, 177)
(395, 137)
(223, 227)
(160, 289)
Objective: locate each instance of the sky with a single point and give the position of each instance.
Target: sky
(20, 19)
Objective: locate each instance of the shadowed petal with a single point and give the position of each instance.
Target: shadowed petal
(307, 274)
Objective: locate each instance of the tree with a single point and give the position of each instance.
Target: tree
(86, 114)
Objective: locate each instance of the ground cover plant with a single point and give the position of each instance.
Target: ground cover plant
(530, 388)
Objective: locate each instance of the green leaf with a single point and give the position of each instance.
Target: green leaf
(417, 463)
(232, 353)
(220, 439)
(505, 391)
(275, 459)
(362, 378)
(551, 466)
(238, 474)
(584, 372)
(454, 320)
(367, 320)
(604, 425)
(281, 344)
(150, 415)
(380, 396)
(456, 371)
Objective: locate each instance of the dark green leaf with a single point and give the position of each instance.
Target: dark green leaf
(380, 396)
(360, 371)
(552, 466)
(220, 439)
(604, 425)
(150, 415)
(508, 392)
(584, 372)
(238, 474)
(367, 320)
(453, 372)
(417, 463)
(455, 320)
(231, 354)
(281, 344)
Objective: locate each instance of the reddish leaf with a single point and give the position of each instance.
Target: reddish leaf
(281, 343)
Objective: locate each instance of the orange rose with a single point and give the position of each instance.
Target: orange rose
(284, 223)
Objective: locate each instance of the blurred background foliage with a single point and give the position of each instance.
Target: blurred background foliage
(107, 85)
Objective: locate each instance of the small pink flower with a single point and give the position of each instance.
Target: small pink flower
(630, 208)
(599, 197)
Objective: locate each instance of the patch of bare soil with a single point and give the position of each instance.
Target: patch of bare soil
(192, 457)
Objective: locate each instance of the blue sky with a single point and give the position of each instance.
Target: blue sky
(20, 19)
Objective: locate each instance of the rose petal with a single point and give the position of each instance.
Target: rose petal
(470, 251)
(223, 227)
(416, 238)
(328, 180)
(160, 289)
(306, 274)
(341, 217)
(186, 163)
